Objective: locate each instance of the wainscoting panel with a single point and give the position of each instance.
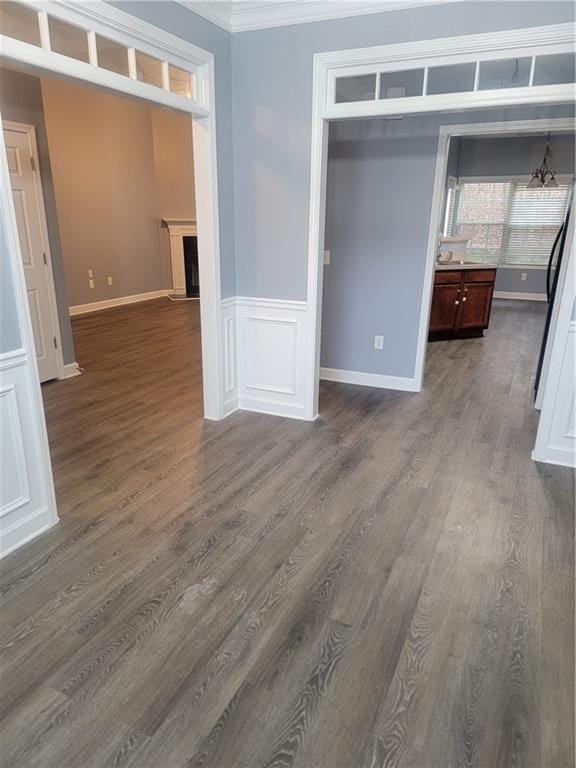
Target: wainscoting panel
(230, 336)
(270, 337)
(26, 502)
(562, 439)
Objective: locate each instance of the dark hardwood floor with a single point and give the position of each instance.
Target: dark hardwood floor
(389, 586)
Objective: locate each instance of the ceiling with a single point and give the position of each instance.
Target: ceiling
(245, 15)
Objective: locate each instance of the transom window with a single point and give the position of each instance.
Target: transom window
(460, 77)
(506, 222)
(29, 24)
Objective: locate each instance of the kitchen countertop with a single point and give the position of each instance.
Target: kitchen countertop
(457, 265)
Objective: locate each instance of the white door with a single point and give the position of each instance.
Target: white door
(30, 218)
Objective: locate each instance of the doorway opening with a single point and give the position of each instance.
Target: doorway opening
(116, 53)
(103, 248)
(90, 222)
(385, 211)
(500, 247)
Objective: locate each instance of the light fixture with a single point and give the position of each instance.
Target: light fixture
(544, 176)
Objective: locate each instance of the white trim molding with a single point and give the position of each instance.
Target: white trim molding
(560, 445)
(120, 301)
(519, 296)
(328, 66)
(230, 354)
(98, 17)
(377, 380)
(556, 435)
(427, 54)
(27, 505)
(247, 15)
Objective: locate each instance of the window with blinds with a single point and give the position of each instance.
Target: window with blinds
(506, 222)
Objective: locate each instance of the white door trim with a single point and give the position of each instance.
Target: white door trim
(25, 391)
(529, 42)
(101, 18)
(30, 132)
(556, 435)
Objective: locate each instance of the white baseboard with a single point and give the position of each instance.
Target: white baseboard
(520, 296)
(96, 306)
(272, 408)
(562, 457)
(70, 370)
(25, 530)
(378, 380)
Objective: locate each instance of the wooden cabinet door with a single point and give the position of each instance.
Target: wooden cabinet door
(475, 305)
(445, 307)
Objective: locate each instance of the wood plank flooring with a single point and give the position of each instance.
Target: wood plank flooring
(392, 585)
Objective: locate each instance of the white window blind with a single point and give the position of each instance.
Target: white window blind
(508, 223)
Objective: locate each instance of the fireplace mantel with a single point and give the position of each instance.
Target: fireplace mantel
(178, 229)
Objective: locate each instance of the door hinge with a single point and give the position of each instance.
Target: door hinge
(55, 343)
(32, 163)
(44, 257)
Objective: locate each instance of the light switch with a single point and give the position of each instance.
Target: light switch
(378, 342)
(524, 275)
(326, 257)
(109, 280)
(90, 273)
(91, 283)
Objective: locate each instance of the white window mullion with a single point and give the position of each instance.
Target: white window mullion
(132, 70)
(44, 30)
(92, 48)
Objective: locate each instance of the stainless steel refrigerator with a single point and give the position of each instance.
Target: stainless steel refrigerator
(553, 272)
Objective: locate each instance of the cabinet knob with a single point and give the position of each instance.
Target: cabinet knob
(464, 299)
(456, 302)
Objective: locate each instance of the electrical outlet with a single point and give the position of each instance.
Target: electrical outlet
(109, 280)
(378, 342)
(326, 258)
(524, 275)
(90, 274)
(91, 283)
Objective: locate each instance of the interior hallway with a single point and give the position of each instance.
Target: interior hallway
(389, 586)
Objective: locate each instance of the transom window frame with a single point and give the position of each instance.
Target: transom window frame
(98, 19)
(531, 41)
(528, 43)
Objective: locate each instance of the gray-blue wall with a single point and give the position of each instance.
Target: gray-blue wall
(272, 97)
(189, 26)
(514, 156)
(379, 197)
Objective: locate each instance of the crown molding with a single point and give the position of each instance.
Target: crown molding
(219, 12)
(249, 15)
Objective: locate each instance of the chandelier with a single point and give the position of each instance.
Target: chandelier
(544, 176)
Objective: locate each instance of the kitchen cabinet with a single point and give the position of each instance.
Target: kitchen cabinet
(461, 302)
